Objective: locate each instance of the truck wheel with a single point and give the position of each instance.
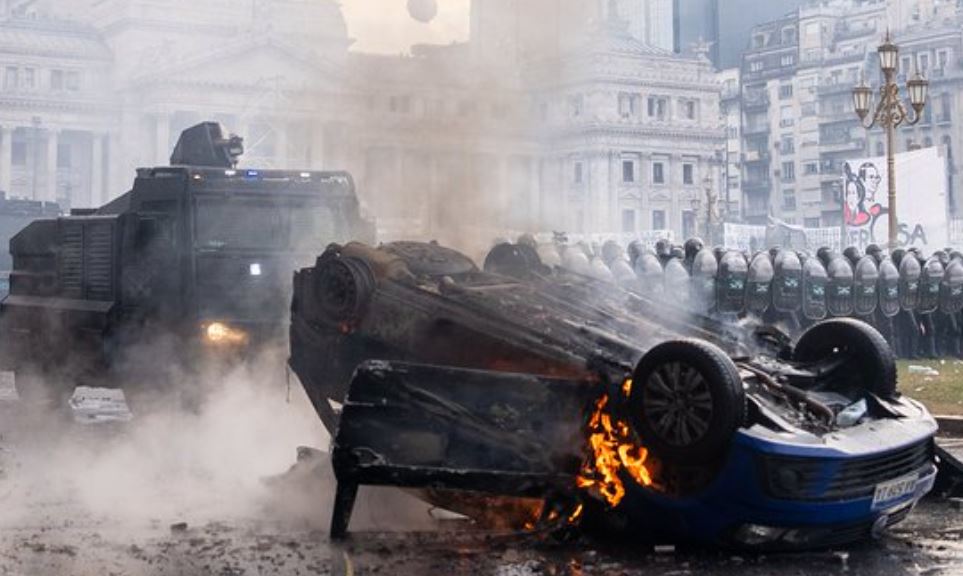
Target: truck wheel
(687, 401)
(343, 288)
(42, 391)
(871, 356)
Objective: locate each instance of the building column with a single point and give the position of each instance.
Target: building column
(162, 142)
(97, 197)
(503, 215)
(535, 220)
(280, 144)
(6, 154)
(53, 140)
(317, 147)
(434, 184)
(615, 179)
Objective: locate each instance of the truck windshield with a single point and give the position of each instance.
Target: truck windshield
(276, 224)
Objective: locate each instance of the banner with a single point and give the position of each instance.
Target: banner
(920, 201)
(744, 237)
(819, 237)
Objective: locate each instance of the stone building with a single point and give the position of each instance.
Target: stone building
(574, 126)
(798, 123)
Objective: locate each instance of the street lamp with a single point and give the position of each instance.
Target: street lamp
(890, 113)
(712, 199)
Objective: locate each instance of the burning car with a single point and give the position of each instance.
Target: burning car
(599, 405)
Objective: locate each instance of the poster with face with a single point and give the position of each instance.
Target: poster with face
(920, 195)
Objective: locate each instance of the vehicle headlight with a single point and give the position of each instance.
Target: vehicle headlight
(220, 333)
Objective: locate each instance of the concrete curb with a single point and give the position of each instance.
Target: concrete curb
(950, 425)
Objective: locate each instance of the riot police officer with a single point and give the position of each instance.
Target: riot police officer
(786, 290)
(888, 306)
(691, 248)
(677, 279)
(663, 250)
(649, 274)
(703, 270)
(731, 284)
(759, 285)
(931, 280)
(814, 290)
(951, 304)
(907, 325)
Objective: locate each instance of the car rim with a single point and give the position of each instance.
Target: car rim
(678, 403)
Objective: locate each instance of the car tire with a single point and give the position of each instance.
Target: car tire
(687, 401)
(873, 355)
(343, 288)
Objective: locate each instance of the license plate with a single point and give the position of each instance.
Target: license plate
(894, 489)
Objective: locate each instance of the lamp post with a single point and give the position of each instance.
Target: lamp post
(890, 113)
(712, 199)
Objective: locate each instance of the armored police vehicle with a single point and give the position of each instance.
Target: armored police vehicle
(197, 258)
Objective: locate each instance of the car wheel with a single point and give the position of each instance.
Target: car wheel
(687, 401)
(872, 356)
(343, 289)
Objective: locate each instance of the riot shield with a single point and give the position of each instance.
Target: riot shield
(866, 286)
(731, 283)
(599, 271)
(648, 271)
(704, 271)
(548, 254)
(634, 250)
(787, 282)
(909, 282)
(611, 251)
(931, 277)
(622, 272)
(889, 301)
(839, 291)
(759, 286)
(677, 281)
(814, 290)
(951, 291)
(575, 260)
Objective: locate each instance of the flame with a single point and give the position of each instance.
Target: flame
(614, 450)
(574, 516)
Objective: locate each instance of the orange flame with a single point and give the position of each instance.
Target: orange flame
(614, 450)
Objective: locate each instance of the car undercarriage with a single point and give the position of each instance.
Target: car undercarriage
(597, 404)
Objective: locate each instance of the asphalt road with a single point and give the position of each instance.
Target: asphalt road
(211, 493)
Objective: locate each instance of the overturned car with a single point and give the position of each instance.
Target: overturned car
(603, 407)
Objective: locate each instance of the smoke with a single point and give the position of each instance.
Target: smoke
(228, 461)
(167, 464)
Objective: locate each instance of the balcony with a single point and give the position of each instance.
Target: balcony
(839, 145)
(755, 130)
(755, 101)
(755, 156)
(757, 186)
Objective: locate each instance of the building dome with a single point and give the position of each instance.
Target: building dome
(423, 11)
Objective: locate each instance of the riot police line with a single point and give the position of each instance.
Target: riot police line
(914, 300)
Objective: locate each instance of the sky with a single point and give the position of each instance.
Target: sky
(384, 26)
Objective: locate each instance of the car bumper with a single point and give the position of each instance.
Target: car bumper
(741, 509)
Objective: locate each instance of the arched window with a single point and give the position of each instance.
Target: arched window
(927, 142)
(880, 150)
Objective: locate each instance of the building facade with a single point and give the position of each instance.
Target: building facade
(798, 124)
(528, 127)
